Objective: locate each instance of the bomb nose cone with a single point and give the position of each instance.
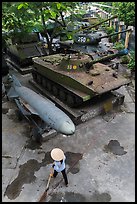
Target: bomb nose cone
(67, 128)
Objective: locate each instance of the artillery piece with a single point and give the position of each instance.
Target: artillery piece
(75, 78)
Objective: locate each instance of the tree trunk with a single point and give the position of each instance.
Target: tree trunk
(49, 42)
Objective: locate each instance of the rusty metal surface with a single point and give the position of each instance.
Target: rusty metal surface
(107, 79)
(100, 78)
(29, 50)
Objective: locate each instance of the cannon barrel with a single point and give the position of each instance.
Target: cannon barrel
(106, 36)
(97, 24)
(97, 40)
(111, 56)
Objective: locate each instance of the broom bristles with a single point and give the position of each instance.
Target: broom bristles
(43, 196)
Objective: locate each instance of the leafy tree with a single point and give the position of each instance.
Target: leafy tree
(25, 16)
(125, 11)
(107, 9)
(13, 19)
(131, 64)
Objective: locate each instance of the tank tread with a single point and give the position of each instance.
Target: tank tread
(57, 90)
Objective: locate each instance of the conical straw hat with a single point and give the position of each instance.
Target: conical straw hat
(57, 154)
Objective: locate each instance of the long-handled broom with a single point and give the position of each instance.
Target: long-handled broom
(43, 197)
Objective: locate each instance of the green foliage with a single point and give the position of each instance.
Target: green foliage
(25, 17)
(131, 64)
(125, 11)
(18, 15)
(118, 46)
(124, 59)
(109, 31)
(107, 9)
(13, 17)
(22, 5)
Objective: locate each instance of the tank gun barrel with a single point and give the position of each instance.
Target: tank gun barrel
(111, 56)
(123, 31)
(97, 24)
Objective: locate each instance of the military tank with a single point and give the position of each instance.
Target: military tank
(21, 48)
(95, 43)
(89, 41)
(97, 24)
(80, 26)
(90, 18)
(92, 43)
(93, 38)
(75, 78)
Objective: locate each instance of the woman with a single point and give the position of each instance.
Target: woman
(59, 163)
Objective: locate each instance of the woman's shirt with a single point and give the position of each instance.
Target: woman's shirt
(58, 166)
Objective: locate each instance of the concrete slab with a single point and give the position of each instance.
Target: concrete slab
(104, 172)
(129, 107)
(123, 90)
(7, 175)
(13, 140)
(9, 162)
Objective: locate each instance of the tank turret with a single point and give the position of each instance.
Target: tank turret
(91, 44)
(90, 18)
(93, 38)
(75, 78)
(82, 29)
(110, 56)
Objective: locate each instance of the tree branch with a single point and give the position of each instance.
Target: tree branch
(62, 17)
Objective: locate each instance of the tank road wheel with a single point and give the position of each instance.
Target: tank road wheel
(70, 100)
(49, 87)
(79, 101)
(39, 79)
(62, 95)
(55, 90)
(35, 79)
(34, 76)
(44, 83)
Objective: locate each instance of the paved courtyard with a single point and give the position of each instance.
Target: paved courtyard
(100, 158)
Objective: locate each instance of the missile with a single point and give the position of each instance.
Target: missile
(44, 108)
